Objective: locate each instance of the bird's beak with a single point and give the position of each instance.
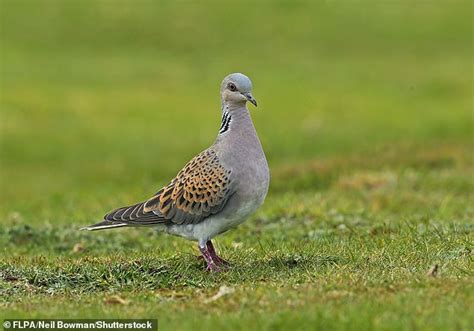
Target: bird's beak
(250, 98)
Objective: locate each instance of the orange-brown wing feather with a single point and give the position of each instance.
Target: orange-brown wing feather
(202, 188)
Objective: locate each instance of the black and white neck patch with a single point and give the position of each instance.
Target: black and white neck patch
(226, 118)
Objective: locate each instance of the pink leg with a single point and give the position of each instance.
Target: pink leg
(211, 264)
(219, 261)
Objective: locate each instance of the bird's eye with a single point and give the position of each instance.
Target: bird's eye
(232, 87)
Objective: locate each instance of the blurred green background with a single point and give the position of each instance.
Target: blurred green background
(105, 96)
(365, 113)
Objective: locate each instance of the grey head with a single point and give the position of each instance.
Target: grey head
(236, 90)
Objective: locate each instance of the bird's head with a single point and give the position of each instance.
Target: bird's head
(237, 89)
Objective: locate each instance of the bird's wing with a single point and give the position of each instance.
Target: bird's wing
(200, 189)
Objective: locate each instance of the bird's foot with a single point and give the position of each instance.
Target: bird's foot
(221, 262)
(216, 258)
(216, 265)
(214, 262)
(212, 267)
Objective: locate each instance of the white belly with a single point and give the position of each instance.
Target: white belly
(237, 210)
(213, 225)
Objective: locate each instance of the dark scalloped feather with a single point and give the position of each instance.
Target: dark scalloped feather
(202, 188)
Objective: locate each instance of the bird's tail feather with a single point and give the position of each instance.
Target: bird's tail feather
(104, 225)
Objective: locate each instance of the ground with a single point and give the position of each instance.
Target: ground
(365, 114)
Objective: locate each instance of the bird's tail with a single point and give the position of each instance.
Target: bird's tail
(105, 225)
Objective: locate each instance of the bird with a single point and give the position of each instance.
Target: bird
(214, 192)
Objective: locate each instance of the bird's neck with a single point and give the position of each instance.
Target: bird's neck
(237, 136)
(233, 117)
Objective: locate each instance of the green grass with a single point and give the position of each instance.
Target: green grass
(365, 113)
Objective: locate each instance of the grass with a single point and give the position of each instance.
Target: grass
(365, 113)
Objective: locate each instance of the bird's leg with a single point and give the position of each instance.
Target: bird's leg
(219, 261)
(212, 264)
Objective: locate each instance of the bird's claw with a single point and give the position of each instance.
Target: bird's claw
(212, 267)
